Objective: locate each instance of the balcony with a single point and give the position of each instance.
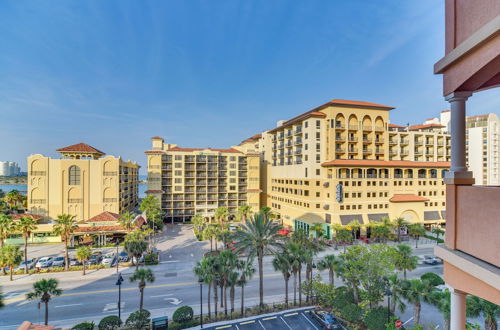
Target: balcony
(367, 140)
(353, 127)
(404, 141)
(419, 142)
(353, 151)
(298, 130)
(379, 140)
(339, 126)
(352, 139)
(367, 151)
(379, 128)
(379, 151)
(393, 152)
(298, 141)
(339, 150)
(367, 128)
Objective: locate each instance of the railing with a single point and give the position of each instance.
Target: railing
(367, 128)
(353, 127)
(379, 129)
(298, 130)
(340, 138)
(353, 139)
(339, 150)
(379, 140)
(404, 141)
(75, 200)
(367, 151)
(298, 141)
(339, 126)
(353, 150)
(108, 173)
(37, 201)
(365, 140)
(392, 141)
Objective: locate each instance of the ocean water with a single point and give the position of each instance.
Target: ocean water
(22, 188)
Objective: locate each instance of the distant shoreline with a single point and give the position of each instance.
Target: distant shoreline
(4, 180)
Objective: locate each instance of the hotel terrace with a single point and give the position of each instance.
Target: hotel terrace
(199, 180)
(83, 183)
(344, 161)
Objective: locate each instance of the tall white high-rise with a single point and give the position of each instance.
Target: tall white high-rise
(482, 146)
(9, 169)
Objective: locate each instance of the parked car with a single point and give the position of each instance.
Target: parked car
(58, 262)
(109, 259)
(326, 320)
(431, 260)
(44, 262)
(74, 262)
(123, 256)
(31, 264)
(95, 258)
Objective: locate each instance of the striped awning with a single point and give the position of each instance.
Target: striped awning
(377, 217)
(345, 219)
(431, 215)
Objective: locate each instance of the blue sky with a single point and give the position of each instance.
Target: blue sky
(207, 73)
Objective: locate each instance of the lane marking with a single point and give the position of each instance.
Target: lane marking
(61, 306)
(309, 321)
(162, 295)
(261, 325)
(247, 322)
(168, 261)
(282, 319)
(411, 318)
(269, 318)
(291, 314)
(224, 327)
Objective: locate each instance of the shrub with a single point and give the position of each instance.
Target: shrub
(139, 319)
(188, 324)
(376, 318)
(183, 314)
(111, 322)
(151, 259)
(343, 296)
(433, 279)
(352, 313)
(84, 326)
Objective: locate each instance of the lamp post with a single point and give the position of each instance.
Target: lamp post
(200, 280)
(388, 292)
(117, 256)
(119, 283)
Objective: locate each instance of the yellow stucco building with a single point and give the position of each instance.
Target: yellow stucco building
(344, 161)
(196, 180)
(83, 183)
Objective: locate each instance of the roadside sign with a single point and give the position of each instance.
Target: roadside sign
(398, 324)
(160, 323)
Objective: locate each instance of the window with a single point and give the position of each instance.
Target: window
(318, 124)
(178, 157)
(178, 165)
(317, 171)
(74, 175)
(179, 173)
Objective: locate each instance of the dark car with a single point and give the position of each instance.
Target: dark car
(95, 258)
(326, 320)
(123, 256)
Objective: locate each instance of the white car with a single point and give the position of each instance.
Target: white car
(31, 264)
(58, 262)
(44, 262)
(109, 259)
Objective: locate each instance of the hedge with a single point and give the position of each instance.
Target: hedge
(183, 314)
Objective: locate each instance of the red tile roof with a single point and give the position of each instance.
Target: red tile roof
(156, 138)
(400, 198)
(82, 229)
(154, 191)
(477, 116)
(81, 147)
(105, 216)
(423, 126)
(27, 325)
(153, 152)
(254, 190)
(396, 126)
(252, 138)
(298, 118)
(230, 150)
(361, 104)
(19, 216)
(445, 111)
(384, 163)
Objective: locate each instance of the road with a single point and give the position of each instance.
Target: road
(95, 295)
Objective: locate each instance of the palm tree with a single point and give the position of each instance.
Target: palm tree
(83, 254)
(399, 223)
(136, 245)
(143, 276)
(12, 198)
(415, 291)
(395, 285)
(296, 255)
(209, 234)
(226, 237)
(7, 226)
(416, 230)
(232, 282)
(331, 263)
(126, 220)
(354, 226)
(258, 236)
(26, 225)
(244, 212)
(65, 225)
(345, 236)
(11, 257)
(221, 214)
(228, 261)
(247, 270)
(204, 271)
(490, 311)
(198, 222)
(45, 289)
(281, 263)
(442, 301)
(438, 232)
(405, 261)
(318, 230)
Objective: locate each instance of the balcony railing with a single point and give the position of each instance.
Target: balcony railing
(37, 201)
(353, 139)
(38, 173)
(353, 127)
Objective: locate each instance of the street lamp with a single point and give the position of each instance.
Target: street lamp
(117, 256)
(200, 280)
(119, 283)
(388, 292)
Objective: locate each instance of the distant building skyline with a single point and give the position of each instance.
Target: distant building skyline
(8, 168)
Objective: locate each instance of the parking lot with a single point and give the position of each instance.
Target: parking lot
(296, 320)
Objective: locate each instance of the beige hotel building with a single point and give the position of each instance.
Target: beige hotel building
(83, 182)
(345, 161)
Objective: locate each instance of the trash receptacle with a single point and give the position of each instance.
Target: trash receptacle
(160, 323)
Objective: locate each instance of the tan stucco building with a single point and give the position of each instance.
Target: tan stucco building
(472, 247)
(196, 180)
(83, 182)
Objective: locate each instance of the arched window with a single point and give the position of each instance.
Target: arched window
(422, 174)
(74, 175)
(398, 173)
(433, 174)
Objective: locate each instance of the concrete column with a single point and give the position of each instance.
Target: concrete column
(458, 319)
(458, 172)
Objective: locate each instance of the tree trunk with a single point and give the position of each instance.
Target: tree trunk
(26, 270)
(211, 249)
(83, 264)
(215, 297)
(231, 295)
(66, 256)
(208, 300)
(222, 294)
(261, 278)
(225, 298)
(286, 292)
(137, 263)
(416, 242)
(10, 271)
(300, 285)
(141, 303)
(295, 288)
(416, 313)
(356, 293)
(489, 324)
(330, 275)
(46, 313)
(446, 324)
(399, 234)
(404, 274)
(242, 301)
